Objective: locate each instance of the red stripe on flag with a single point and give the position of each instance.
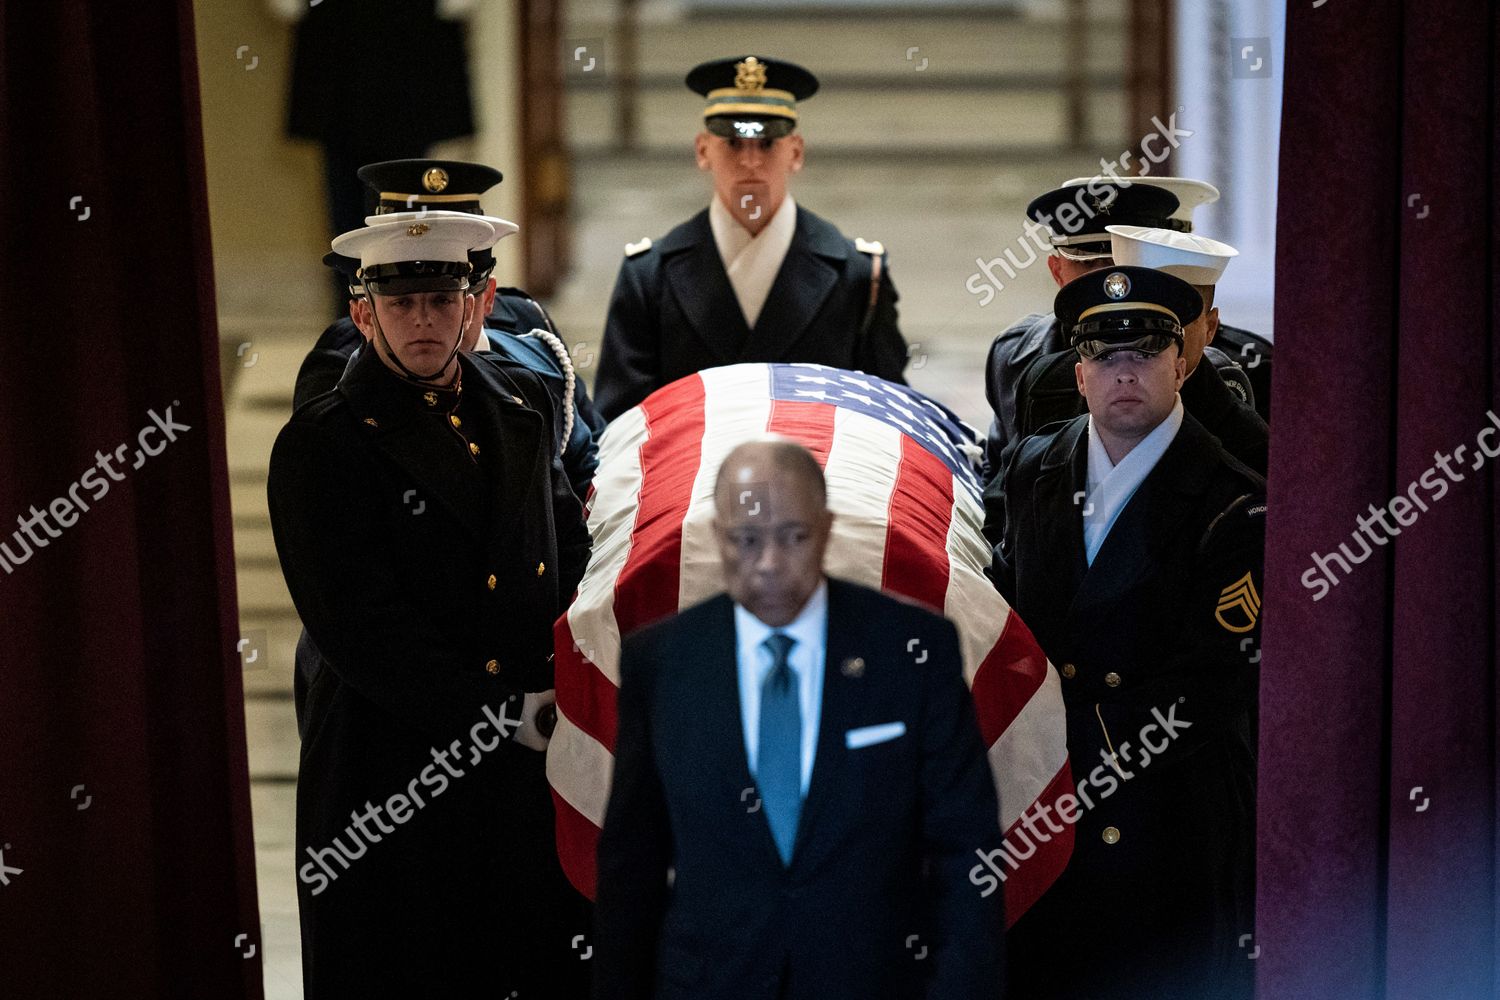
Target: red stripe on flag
(578, 846)
(648, 585)
(808, 423)
(1035, 874)
(1009, 677)
(916, 537)
(584, 694)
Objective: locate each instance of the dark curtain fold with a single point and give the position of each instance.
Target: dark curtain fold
(1378, 792)
(124, 797)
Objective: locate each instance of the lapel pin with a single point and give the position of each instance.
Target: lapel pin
(853, 667)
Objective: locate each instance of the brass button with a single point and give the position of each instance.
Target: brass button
(473, 448)
(492, 667)
(1068, 670)
(1111, 835)
(490, 583)
(1112, 679)
(430, 398)
(453, 419)
(541, 568)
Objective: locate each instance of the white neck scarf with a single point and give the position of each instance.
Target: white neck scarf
(752, 262)
(1111, 486)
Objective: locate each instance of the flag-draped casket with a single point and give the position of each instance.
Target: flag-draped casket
(908, 517)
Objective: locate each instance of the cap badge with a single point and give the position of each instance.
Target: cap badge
(1240, 602)
(853, 667)
(749, 74)
(1103, 205)
(417, 229)
(1116, 285)
(435, 179)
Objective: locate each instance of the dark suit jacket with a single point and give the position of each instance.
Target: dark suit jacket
(674, 313)
(388, 535)
(733, 922)
(1144, 630)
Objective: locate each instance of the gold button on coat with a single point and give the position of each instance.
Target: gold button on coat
(453, 419)
(1068, 670)
(473, 448)
(492, 667)
(541, 568)
(1112, 679)
(1111, 835)
(490, 583)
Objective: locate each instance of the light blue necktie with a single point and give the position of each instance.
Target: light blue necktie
(779, 756)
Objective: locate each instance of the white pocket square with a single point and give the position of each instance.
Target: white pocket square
(866, 736)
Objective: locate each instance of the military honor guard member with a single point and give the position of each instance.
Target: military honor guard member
(511, 325)
(1077, 216)
(429, 539)
(1048, 390)
(795, 795)
(1133, 550)
(754, 276)
(1250, 350)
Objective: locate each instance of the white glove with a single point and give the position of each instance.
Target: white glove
(527, 734)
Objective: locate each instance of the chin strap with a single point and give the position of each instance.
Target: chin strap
(390, 353)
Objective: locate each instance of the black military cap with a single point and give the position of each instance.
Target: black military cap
(445, 185)
(1077, 215)
(1138, 308)
(751, 97)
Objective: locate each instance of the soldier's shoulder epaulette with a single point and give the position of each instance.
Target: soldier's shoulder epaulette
(636, 249)
(874, 247)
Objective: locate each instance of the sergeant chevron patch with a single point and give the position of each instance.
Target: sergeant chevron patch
(1240, 601)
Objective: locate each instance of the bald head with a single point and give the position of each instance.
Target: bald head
(772, 523)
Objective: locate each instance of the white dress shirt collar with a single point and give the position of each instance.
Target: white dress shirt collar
(1111, 486)
(752, 262)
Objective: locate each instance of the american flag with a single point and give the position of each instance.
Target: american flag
(908, 518)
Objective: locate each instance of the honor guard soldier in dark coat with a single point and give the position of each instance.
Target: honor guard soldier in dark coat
(1077, 216)
(429, 539)
(515, 328)
(753, 277)
(1133, 550)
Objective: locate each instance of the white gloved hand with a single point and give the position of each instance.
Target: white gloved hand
(527, 734)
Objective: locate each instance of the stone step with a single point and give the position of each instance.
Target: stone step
(893, 122)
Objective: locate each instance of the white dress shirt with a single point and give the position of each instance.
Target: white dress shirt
(1111, 486)
(810, 629)
(752, 262)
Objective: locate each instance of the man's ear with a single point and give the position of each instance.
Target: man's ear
(1078, 378)
(1054, 264)
(799, 151)
(359, 311)
(1180, 366)
(700, 150)
(1213, 325)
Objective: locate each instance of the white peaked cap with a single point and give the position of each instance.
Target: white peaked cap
(1197, 260)
(436, 237)
(1190, 193)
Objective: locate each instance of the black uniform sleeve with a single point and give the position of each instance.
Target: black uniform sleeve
(349, 598)
(882, 349)
(635, 846)
(630, 356)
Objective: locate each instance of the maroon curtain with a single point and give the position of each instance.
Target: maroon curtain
(1378, 793)
(128, 868)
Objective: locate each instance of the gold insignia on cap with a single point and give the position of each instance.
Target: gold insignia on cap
(435, 179)
(1103, 205)
(1241, 603)
(417, 229)
(853, 667)
(1116, 285)
(749, 74)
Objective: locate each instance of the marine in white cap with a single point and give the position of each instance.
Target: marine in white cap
(429, 537)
